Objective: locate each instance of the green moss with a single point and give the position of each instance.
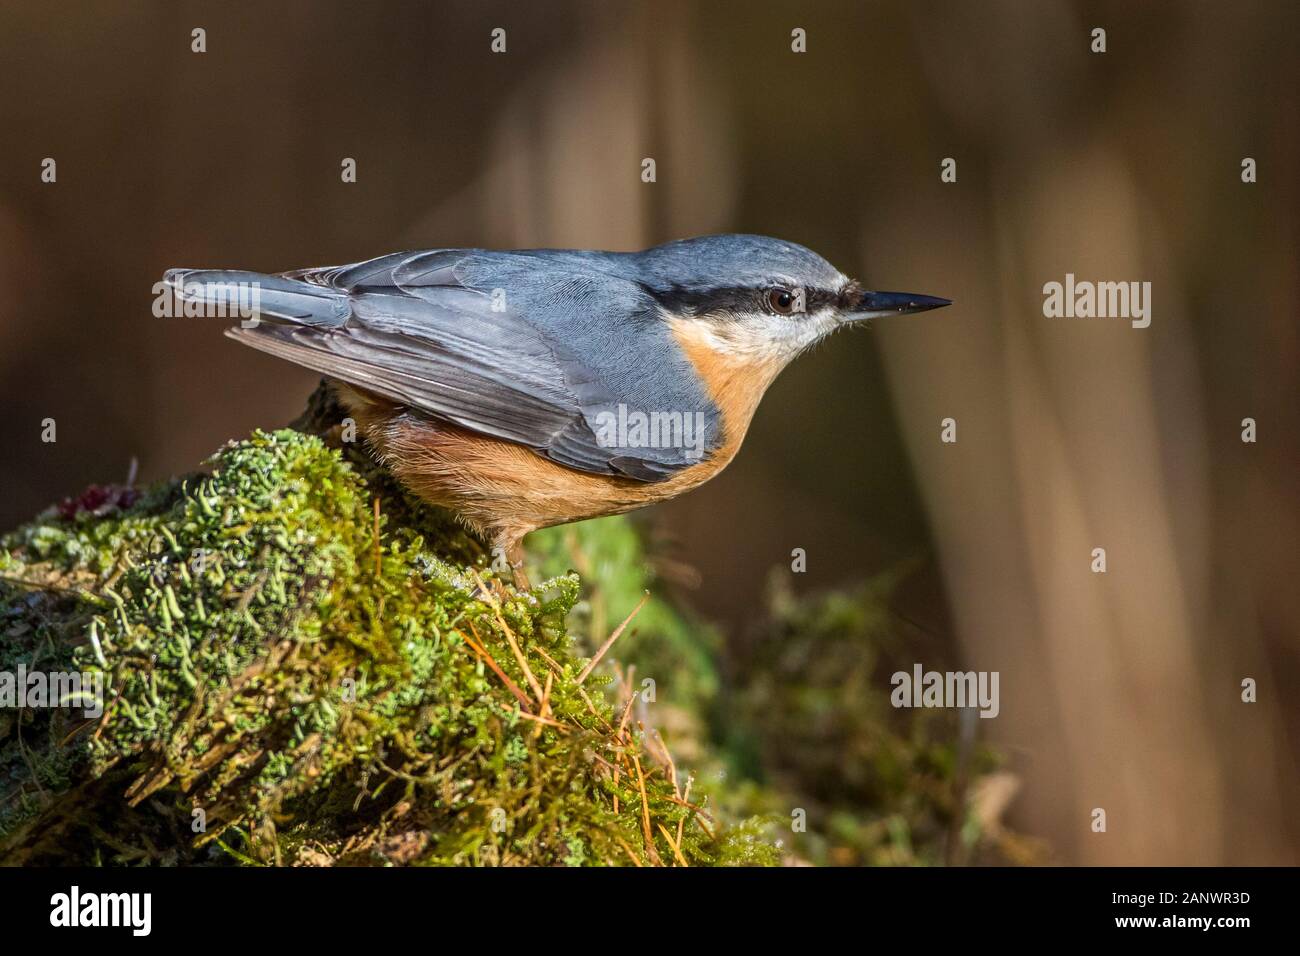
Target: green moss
(312, 691)
(813, 726)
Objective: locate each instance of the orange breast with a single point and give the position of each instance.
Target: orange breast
(504, 490)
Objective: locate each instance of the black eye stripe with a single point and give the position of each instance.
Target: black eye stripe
(734, 299)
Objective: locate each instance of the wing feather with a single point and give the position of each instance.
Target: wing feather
(490, 342)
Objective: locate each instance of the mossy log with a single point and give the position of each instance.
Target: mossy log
(302, 665)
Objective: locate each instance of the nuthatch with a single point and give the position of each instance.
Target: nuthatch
(531, 388)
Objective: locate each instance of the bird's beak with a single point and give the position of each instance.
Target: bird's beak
(872, 305)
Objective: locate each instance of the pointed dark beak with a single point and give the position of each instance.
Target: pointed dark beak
(873, 305)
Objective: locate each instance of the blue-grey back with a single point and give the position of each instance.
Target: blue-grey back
(532, 346)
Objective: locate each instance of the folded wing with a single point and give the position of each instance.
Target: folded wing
(484, 340)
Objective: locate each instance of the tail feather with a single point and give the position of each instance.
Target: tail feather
(269, 296)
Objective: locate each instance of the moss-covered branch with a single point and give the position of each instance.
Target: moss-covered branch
(304, 666)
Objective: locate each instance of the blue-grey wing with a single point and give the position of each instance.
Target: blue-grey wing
(510, 345)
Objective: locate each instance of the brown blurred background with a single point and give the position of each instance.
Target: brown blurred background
(1119, 691)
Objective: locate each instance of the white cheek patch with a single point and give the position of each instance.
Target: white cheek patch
(757, 338)
(764, 336)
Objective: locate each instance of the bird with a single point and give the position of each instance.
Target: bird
(522, 389)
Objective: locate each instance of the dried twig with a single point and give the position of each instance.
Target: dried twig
(546, 704)
(510, 639)
(677, 850)
(612, 638)
(645, 812)
(681, 822)
(487, 659)
(623, 843)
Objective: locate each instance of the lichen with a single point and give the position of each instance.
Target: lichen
(305, 666)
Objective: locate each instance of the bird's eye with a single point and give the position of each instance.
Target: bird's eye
(781, 301)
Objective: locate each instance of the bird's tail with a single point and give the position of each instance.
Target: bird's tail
(272, 297)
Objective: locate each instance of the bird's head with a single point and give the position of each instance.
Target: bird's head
(759, 299)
